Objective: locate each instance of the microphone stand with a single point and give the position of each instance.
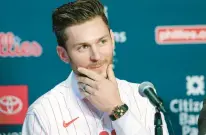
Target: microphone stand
(158, 122)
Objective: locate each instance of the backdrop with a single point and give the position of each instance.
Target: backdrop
(158, 41)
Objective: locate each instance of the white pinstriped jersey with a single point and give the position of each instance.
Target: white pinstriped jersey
(63, 111)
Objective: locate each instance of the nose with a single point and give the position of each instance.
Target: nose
(95, 54)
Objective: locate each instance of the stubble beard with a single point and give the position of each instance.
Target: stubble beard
(103, 62)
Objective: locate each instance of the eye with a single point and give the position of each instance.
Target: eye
(82, 47)
(103, 41)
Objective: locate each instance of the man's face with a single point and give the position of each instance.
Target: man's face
(90, 45)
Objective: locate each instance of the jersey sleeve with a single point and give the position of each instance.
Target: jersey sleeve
(129, 125)
(33, 125)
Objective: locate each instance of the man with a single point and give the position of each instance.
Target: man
(91, 101)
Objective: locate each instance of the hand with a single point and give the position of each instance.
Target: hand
(101, 92)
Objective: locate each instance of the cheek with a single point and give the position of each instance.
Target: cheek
(107, 51)
(79, 59)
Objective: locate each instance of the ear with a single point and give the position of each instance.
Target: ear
(113, 40)
(62, 53)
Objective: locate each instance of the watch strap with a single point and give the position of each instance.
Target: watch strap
(118, 112)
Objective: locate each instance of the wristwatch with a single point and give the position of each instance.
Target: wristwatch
(118, 112)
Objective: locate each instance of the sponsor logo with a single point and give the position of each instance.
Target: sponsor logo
(13, 104)
(10, 105)
(66, 124)
(188, 108)
(12, 46)
(195, 85)
(193, 34)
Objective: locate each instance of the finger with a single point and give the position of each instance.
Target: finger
(110, 74)
(85, 93)
(90, 74)
(87, 81)
(87, 89)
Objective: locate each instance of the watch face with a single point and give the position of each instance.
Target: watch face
(119, 111)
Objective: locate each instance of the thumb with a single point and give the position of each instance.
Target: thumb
(110, 74)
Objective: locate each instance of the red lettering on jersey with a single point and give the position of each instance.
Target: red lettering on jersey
(104, 133)
(113, 132)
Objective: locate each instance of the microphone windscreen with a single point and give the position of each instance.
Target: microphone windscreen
(143, 86)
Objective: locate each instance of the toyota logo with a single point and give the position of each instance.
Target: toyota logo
(10, 105)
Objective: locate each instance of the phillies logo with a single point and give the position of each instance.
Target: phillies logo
(13, 104)
(180, 34)
(12, 46)
(10, 105)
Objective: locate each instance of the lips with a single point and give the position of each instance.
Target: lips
(93, 67)
(96, 66)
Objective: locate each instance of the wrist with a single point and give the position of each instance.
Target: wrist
(110, 111)
(118, 112)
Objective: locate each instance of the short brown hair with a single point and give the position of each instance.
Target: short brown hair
(74, 13)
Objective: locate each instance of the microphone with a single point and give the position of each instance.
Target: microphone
(146, 89)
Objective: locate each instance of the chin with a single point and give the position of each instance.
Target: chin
(102, 73)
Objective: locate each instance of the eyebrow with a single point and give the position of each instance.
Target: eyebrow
(83, 43)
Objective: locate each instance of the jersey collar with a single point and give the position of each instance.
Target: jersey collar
(73, 84)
